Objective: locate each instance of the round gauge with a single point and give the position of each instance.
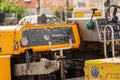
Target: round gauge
(46, 37)
(94, 71)
(24, 41)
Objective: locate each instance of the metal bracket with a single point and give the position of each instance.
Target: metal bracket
(57, 49)
(62, 71)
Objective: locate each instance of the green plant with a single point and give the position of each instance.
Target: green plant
(19, 10)
(5, 7)
(1, 1)
(12, 8)
(70, 9)
(57, 12)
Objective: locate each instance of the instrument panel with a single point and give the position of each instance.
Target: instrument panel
(41, 36)
(96, 34)
(102, 23)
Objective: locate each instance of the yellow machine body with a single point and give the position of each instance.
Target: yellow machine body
(7, 40)
(10, 43)
(5, 67)
(102, 69)
(10, 37)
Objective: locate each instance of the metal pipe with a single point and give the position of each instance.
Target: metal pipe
(112, 40)
(38, 6)
(66, 10)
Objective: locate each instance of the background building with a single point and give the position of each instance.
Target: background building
(46, 6)
(82, 8)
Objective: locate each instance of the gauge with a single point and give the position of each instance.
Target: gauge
(24, 41)
(46, 37)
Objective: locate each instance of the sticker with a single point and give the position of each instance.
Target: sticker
(94, 71)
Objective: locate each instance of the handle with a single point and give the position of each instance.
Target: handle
(93, 9)
(57, 49)
(105, 47)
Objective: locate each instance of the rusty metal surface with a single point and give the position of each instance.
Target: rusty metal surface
(43, 67)
(78, 78)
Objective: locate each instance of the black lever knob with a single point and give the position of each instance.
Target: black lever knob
(90, 24)
(93, 9)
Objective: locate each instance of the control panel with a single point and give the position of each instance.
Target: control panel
(60, 36)
(41, 36)
(97, 32)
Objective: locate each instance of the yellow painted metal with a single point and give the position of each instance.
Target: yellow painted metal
(86, 14)
(5, 69)
(109, 69)
(46, 47)
(7, 39)
(79, 14)
(98, 14)
(10, 37)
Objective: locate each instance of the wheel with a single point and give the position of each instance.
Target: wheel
(113, 18)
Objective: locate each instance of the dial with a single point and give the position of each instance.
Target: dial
(46, 37)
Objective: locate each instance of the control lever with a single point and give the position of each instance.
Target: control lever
(90, 24)
(62, 71)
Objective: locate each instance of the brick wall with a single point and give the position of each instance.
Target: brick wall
(31, 4)
(45, 3)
